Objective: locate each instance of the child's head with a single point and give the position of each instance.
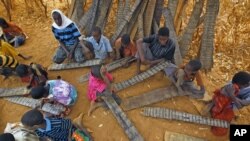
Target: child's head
(38, 92)
(96, 71)
(163, 34)
(7, 137)
(96, 33)
(33, 119)
(22, 70)
(56, 15)
(242, 79)
(91, 54)
(3, 23)
(192, 68)
(125, 40)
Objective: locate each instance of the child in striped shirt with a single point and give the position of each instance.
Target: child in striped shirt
(8, 65)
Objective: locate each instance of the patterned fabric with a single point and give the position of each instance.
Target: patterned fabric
(57, 129)
(20, 133)
(159, 51)
(68, 36)
(101, 50)
(79, 135)
(60, 55)
(96, 85)
(222, 108)
(130, 50)
(244, 93)
(8, 61)
(7, 49)
(62, 92)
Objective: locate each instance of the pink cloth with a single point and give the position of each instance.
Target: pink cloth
(97, 85)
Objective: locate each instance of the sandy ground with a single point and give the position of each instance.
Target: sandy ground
(41, 45)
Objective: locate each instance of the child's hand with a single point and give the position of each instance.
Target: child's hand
(103, 70)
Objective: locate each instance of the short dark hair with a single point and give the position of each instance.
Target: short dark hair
(195, 65)
(241, 78)
(163, 31)
(96, 71)
(32, 118)
(3, 23)
(37, 92)
(7, 137)
(97, 29)
(22, 70)
(125, 39)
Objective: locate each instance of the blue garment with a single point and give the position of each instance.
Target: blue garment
(68, 36)
(101, 50)
(160, 51)
(244, 93)
(62, 92)
(57, 129)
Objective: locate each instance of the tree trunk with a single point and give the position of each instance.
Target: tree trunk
(190, 29)
(172, 5)
(207, 41)
(170, 24)
(148, 17)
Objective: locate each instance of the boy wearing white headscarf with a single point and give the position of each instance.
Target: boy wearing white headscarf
(67, 33)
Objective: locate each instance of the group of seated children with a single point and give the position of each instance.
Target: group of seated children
(75, 47)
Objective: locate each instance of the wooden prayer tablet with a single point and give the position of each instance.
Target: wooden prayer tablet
(65, 66)
(173, 136)
(19, 91)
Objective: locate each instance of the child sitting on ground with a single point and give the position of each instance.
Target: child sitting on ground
(183, 78)
(8, 50)
(34, 74)
(224, 99)
(57, 129)
(8, 65)
(57, 91)
(99, 81)
(12, 33)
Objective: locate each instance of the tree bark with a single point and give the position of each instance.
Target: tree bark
(186, 38)
(207, 41)
(170, 24)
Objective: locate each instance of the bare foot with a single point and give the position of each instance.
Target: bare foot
(78, 120)
(27, 57)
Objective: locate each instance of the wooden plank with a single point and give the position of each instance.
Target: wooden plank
(158, 112)
(30, 102)
(110, 67)
(173, 136)
(121, 117)
(144, 75)
(173, 36)
(65, 66)
(19, 91)
(148, 98)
